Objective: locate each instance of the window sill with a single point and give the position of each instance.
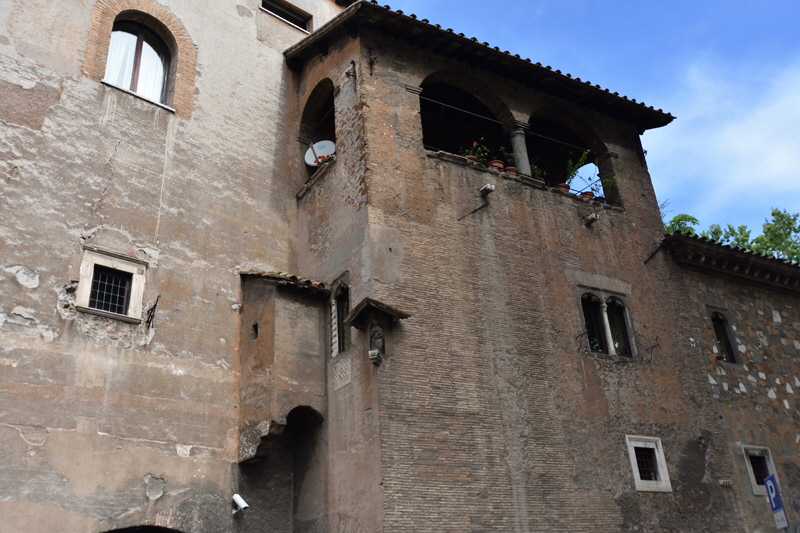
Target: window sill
(139, 96)
(295, 26)
(317, 176)
(107, 314)
(653, 486)
(615, 358)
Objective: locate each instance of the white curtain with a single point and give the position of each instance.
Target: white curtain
(119, 67)
(151, 74)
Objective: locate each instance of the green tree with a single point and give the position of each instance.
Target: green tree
(780, 236)
(739, 236)
(681, 222)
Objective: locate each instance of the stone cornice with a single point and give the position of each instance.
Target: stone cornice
(711, 256)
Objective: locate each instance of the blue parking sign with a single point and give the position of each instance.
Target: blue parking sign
(775, 502)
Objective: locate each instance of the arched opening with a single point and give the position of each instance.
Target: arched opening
(282, 477)
(593, 321)
(722, 334)
(318, 121)
(559, 155)
(138, 59)
(618, 325)
(108, 15)
(455, 121)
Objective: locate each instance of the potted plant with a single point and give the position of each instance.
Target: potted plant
(510, 162)
(572, 171)
(477, 151)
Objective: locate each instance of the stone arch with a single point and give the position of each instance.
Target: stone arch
(457, 111)
(318, 121)
(555, 138)
(183, 63)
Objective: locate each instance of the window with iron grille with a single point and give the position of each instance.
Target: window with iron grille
(648, 464)
(759, 466)
(111, 290)
(111, 284)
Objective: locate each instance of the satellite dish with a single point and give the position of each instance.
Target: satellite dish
(318, 150)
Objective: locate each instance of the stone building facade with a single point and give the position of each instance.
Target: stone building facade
(398, 339)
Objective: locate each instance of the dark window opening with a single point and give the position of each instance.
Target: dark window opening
(593, 319)
(551, 147)
(453, 120)
(646, 463)
(111, 290)
(301, 20)
(619, 329)
(342, 310)
(319, 119)
(724, 345)
(138, 61)
(758, 463)
(254, 332)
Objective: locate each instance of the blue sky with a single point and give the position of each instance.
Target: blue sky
(729, 70)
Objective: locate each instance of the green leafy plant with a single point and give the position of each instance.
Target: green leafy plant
(507, 156)
(573, 168)
(478, 150)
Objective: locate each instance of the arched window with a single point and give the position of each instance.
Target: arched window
(454, 120)
(606, 325)
(593, 319)
(617, 323)
(721, 331)
(138, 61)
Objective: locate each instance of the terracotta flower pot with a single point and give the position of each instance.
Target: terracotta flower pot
(563, 187)
(471, 158)
(589, 195)
(510, 170)
(496, 164)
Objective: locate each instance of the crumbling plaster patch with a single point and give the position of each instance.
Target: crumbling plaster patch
(25, 276)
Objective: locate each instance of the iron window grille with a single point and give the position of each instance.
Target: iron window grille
(111, 290)
(648, 464)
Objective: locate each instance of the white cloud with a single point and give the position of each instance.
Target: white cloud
(734, 151)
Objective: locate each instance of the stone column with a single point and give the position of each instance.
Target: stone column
(520, 148)
(607, 326)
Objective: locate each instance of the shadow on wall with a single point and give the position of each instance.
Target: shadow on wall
(274, 481)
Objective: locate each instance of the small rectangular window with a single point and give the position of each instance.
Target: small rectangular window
(111, 290)
(648, 464)
(111, 284)
(759, 467)
(288, 14)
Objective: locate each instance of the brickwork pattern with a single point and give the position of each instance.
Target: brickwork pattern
(184, 56)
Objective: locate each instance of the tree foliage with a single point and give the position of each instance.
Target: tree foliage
(780, 235)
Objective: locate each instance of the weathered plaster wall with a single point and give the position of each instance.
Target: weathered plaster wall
(756, 397)
(108, 424)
